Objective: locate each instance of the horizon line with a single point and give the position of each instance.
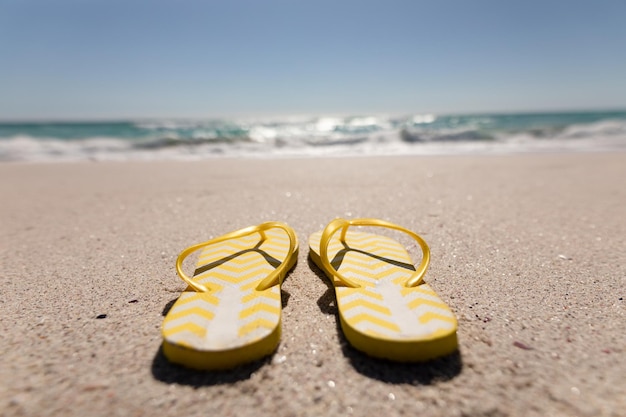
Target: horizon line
(301, 115)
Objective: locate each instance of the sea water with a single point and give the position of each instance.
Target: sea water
(302, 136)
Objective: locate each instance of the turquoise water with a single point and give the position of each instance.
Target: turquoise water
(306, 136)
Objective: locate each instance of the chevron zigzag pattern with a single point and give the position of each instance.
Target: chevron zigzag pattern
(383, 308)
(234, 314)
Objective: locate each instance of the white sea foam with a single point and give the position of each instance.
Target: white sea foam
(422, 134)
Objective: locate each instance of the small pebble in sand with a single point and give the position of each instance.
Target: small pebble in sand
(101, 316)
(522, 345)
(279, 359)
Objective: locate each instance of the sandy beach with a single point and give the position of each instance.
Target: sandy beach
(528, 251)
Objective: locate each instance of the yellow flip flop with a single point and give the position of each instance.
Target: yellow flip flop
(385, 307)
(230, 313)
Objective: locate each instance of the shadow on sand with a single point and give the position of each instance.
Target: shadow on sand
(164, 371)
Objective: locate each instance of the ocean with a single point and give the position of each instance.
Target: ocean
(302, 136)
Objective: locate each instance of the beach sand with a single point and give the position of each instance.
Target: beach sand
(528, 250)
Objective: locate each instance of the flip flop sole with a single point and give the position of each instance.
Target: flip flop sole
(382, 317)
(235, 322)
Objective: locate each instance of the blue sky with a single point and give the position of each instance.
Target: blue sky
(93, 59)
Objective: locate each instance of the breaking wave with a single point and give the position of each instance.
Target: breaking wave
(313, 136)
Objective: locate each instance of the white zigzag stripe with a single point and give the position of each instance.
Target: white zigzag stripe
(377, 243)
(186, 336)
(239, 285)
(354, 275)
(345, 299)
(193, 318)
(356, 310)
(365, 263)
(247, 268)
(425, 308)
(215, 255)
(364, 326)
(211, 343)
(187, 294)
(241, 268)
(208, 279)
(419, 311)
(260, 272)
(367, 259)
(373, 248)
(342, 290)
(231, 247)
(416, 294)
(256, 334)
(276, 244)
(277, 253)
(352, 264)
(401, 273)
(435, 325)
(393, 276)
(383, 251)
(418, 331)
(270, 301)
(272, 318)
(192, 304)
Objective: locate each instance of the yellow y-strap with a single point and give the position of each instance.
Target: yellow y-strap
(271, 280)
(414, 280)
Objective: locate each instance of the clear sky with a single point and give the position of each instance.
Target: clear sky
(86, 59)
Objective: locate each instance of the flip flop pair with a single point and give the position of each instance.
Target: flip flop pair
(230, 313)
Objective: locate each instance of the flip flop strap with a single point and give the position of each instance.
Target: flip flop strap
(271, 280)
(414, 280)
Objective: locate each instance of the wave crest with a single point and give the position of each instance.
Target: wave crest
(352, 135)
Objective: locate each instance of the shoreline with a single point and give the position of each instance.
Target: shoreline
(486, 152)
(527, 250)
